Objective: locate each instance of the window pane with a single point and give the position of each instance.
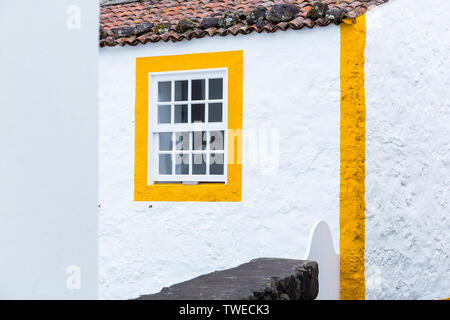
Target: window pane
(165, 141)
(164, 91)
(216, 141)
(182, 140)
(215, 88)
(181, 113)
(198, 113)
(164, 114)
(199, 140)
(199, 164)
(182, 164)
(181, 90)
(165, 164)
(216, 164)
(215, 112)
(198, 89)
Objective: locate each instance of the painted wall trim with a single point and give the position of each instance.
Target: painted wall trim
(352, 158)
(233, 62)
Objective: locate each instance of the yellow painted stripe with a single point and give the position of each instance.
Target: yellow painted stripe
(352, 147)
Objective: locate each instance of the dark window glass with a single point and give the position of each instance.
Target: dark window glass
(216, 164)
(198, 89)
(182, 164)
(198, 164)
(199, 140)
(216, 141)
(198, 113)
(215, 112)
(164, 91)
(215, 88)
(181, 90)
(165, 164)
(182, 140)
(181, 113)
(164, 114)
(165, 141)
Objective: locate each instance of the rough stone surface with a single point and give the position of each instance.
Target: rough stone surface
(161, 28)
(110, 2)
(261, 23)
(317, 11)
(144, 28)
(256, 14)
(229, 19)
(282, 12)
(259, 279)
(209, 22)
(335, 14)
(123, 31)
(185, 25)
(137, 30)
(103, 34)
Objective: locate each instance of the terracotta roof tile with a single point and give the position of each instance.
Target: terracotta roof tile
(126, 22)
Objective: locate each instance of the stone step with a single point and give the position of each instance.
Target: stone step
(264, 278)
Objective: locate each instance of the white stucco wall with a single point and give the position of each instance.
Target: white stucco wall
(408, 151)
(291, 83)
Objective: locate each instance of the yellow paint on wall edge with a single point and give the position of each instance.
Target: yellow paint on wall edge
(352, 166)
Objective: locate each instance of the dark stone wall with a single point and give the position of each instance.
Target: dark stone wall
(259, 279)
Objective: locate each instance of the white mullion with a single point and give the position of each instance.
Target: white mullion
(203, 151)
(173, 163)
(172, 92)
(225, 122)
(155, 158)
(172, 106)
(201, 101)
(225, 155)
(172, 122)
(198, 177)
(208, 138)
(206, 99)
(189, 100)
(151, 141)
(191, 155)
(208, 154)
(191, 133)
(173, 152)
(184, 127)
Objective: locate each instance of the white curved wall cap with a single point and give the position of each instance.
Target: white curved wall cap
(321, 250)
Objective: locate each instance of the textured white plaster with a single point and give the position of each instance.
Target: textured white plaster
(408, 151)
(291, 83)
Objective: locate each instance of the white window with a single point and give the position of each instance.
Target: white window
(188, 126)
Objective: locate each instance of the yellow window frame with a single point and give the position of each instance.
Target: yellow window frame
(231, 60)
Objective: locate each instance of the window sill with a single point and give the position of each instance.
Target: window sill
(205, 191)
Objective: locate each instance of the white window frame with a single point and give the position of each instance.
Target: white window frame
(154, 128)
